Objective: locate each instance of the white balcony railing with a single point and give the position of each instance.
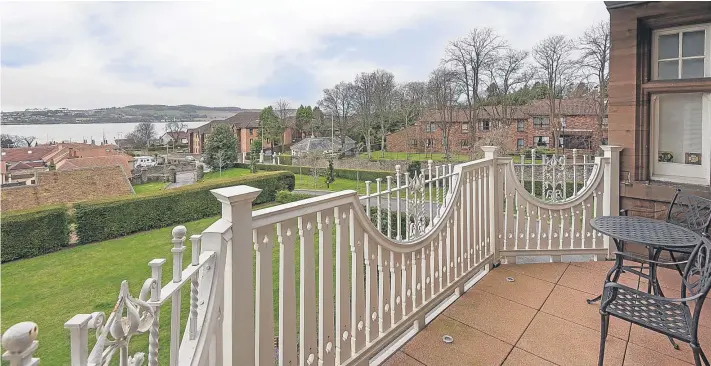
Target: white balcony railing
(361, 288)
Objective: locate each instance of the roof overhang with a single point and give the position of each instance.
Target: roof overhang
(622, 4)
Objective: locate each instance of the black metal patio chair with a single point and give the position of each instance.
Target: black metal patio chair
(668, 316)
(687, 210)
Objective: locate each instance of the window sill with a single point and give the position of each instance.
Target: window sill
(688, 181)
(678, 85)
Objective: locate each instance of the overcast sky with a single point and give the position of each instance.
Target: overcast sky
(242, 53)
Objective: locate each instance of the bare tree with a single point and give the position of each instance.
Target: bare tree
(26, 140)
(282, 107)
(384, 101)
(338, 103)
(176, 126)
(470, 58)
(142, 134)
(410, 102)
(595, 62)
(364, 89)
(555, 68)
(442, 94)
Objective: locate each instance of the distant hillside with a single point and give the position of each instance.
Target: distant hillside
(182, 107)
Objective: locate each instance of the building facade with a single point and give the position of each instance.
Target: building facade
(660, 99)
(244, 126)
(523, 127)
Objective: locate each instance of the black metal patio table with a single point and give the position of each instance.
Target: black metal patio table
(656, 235)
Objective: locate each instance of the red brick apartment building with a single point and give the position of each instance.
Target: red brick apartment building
(245, 127)
(660, 99)
(526, 127)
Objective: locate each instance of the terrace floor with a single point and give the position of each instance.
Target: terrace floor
(542, 319)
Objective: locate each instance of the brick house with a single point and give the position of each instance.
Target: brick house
(660, 99)
(245, 127)
(526, 127)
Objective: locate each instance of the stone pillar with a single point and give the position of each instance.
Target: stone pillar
(261, 157)
(199, 171)
(171, 174)
(144, 175)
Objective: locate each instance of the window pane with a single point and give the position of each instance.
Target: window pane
(680, 125)
(693, 68)
(669, 46)
(692, 44)
(668, 70)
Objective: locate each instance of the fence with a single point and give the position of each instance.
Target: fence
(361, 289)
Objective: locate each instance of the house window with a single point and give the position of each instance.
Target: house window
(485, 125)
(251, 131)
(604, 122)
(562, 121)
(541, 140)
(679, 151)
(465, 127)
(603, 141)
(413, 143)
(519, 144)
(681, 53)
(464, 143)
(428, 142)
(520, 125)
(430, 127)
(541, 122)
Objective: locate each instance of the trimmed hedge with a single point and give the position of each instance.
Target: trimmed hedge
(288, 197)
(28, 234)
(352, 174)
(98, 221)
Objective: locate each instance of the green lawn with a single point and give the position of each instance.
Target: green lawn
(226, 173)
(149, 187)
(52, 288)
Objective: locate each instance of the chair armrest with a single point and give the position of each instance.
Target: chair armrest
(615, 285)
(645, 260)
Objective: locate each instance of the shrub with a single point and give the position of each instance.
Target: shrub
(285, 159)
(28, 234)
(103, 220)
(287, 197)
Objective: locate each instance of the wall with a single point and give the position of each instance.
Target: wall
(57, 187)
(398, 141)
(630, 89)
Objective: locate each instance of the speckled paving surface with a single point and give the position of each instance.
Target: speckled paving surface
(542, 319)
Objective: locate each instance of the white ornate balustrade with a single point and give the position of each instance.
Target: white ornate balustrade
(362, 288)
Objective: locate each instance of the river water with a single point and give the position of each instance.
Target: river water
(80, 132)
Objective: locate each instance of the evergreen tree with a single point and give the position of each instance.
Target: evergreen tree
(221, 148)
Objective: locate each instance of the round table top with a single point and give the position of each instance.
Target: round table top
(645, 231)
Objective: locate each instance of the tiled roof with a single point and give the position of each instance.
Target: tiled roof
(121, 160)
(239, 120)
(34, 153)
(177, 135)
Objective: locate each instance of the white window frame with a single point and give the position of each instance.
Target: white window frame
(655, 49)
(465, 127)
(682, 173)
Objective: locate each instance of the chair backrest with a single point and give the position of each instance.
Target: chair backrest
(690, 211)
(697, 277)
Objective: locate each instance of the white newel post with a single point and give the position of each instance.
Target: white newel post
(261, 157)
(494, 199)
(20, 342)
(611, 195)
(238, 324)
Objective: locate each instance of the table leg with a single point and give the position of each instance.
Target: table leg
(617, 269)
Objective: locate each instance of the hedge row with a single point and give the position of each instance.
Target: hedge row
(352, 174)
(32, 233)
(98, 221)
(570, 191)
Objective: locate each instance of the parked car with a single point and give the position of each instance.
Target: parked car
(147, 161)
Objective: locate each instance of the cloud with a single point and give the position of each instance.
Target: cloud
(88, 55)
